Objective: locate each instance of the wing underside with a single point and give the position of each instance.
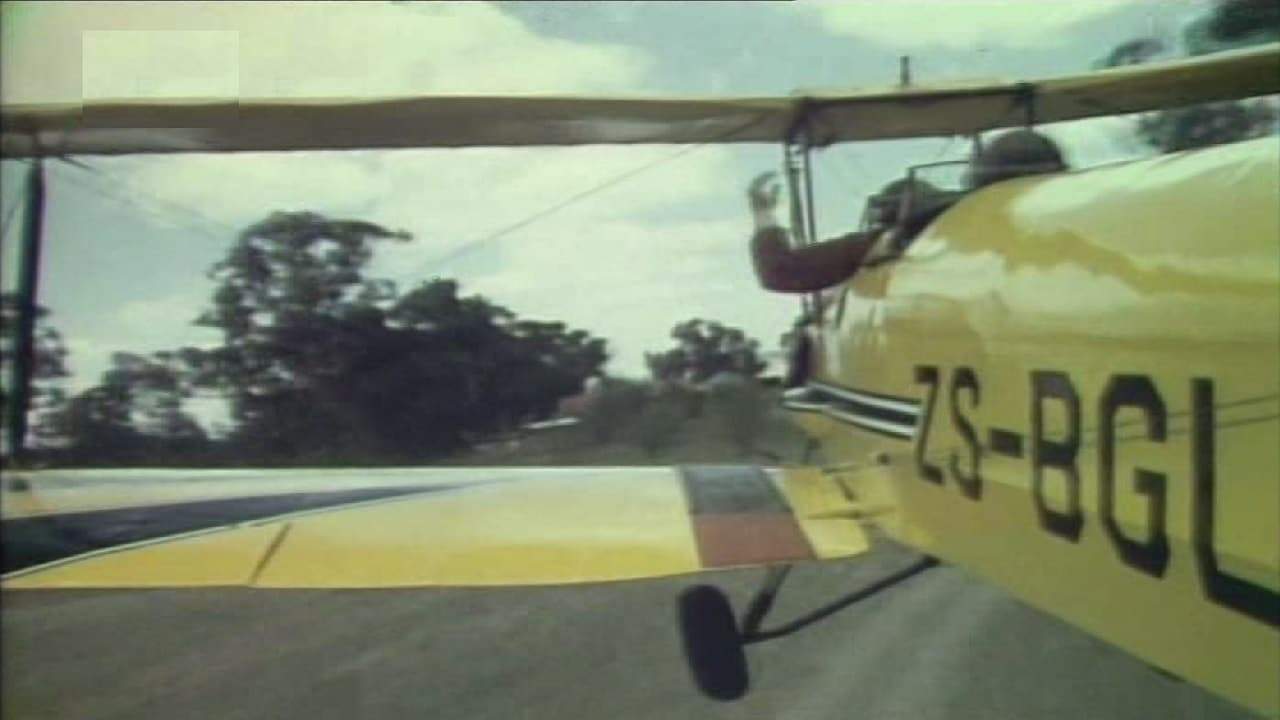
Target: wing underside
(233, 124)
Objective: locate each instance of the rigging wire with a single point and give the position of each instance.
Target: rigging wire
(472, 245)
(13, 209)
(8, 217)
(160, 209)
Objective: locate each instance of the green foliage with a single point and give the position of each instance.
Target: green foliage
(615, 405)
(1230, 24)
(742, 409)
(659, 425)
(50, 353)
(689, 401)
(96, 427)
(133, 416)
(704, 349)
(290, 302)
(49, 365)
(1233, 24)
(1206, 125)
(323, 365)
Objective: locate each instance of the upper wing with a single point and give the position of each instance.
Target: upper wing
(470, 527)
(165, 125)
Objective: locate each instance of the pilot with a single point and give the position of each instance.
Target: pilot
(1014, 154)
(810, 268)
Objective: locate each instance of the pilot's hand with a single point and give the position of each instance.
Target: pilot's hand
(762, 194)
(886, 244)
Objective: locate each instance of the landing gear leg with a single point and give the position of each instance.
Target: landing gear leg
(715, 647)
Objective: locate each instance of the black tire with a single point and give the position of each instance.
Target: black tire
(712, 645)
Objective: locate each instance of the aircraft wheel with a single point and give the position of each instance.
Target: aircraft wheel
(712, 645)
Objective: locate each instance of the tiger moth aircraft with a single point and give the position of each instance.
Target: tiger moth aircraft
(1066, 384)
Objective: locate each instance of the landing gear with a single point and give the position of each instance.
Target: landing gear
(712, 646)
(715, 647)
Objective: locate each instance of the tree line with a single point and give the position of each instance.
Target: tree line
(322, 365)
(319, 363)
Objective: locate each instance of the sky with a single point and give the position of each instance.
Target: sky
(129, 239)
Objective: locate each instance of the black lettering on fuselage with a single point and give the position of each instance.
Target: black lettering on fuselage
(1240, 595)
(928, 375)
(1057, 455)
(970, 481)
(1137, 391)
(1056, 459)
(1004, 442)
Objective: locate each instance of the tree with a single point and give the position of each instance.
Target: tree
(658, 426)
(48, 369)
(742, 409)
(286, 290)
(616, 403)
(1230, 24)
(325, 365)
(480, 369)
(704, 349)
(134, 415)
(296, 314)
(155, 388)
(96, 428)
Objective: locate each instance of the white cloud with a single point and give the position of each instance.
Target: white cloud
(961, 24)
(66, 51)
(1096, 141)
(633, 282)
(618, 263)
(446, 198)
(612, 263)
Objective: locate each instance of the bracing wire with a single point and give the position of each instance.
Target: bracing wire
(472, 245)
(165, 210)
(8, 217)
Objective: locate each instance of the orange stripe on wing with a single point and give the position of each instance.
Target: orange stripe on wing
(740, 518)
(749, 539)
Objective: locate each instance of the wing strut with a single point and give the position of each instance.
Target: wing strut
(714, 643)
(24, 359)
(797, 151)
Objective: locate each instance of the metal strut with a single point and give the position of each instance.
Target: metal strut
(763, 601)
(24, 359)
(798, 164)
(715, 642)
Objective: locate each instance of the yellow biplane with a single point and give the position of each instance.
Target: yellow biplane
(1068, 384)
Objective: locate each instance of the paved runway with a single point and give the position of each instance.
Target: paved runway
(942, 645)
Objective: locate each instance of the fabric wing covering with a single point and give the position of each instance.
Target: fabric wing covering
(155, 125)
(474, 527)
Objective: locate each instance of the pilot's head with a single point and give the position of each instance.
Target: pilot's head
(1014, 154)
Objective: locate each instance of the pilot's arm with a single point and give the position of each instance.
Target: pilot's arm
(782, 268)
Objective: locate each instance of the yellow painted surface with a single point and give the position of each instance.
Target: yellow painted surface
(226, 557)
(1166, 269)
(821, 510)
(530, 527)
(574, 527)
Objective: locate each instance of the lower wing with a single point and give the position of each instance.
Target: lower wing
(405, 528)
